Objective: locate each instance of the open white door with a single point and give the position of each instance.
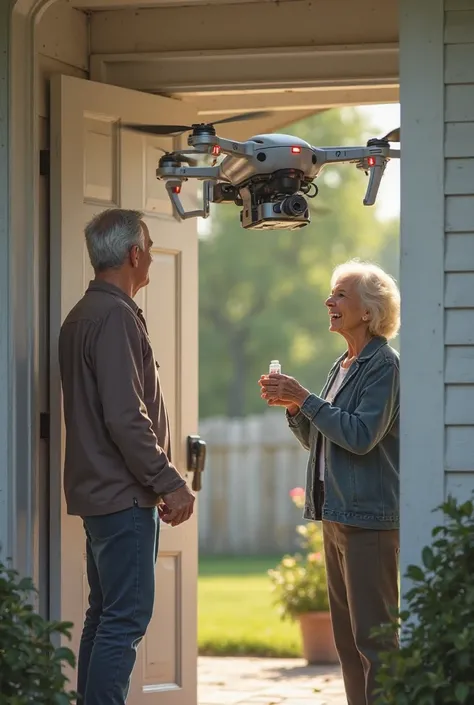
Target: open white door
(95, 165)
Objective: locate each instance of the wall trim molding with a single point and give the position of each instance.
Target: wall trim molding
(246, 69)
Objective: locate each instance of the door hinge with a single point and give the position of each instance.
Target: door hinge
(44, 162)
(44, 426)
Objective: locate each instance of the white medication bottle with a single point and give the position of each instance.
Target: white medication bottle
(275, 368)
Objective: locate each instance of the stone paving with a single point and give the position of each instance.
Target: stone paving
(258, 681)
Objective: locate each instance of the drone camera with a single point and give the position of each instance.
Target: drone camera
(290, 213)
(293, 206)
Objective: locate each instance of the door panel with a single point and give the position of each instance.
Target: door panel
(95, 166)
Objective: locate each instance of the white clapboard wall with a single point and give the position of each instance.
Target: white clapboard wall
(244, 505)
(459, 246)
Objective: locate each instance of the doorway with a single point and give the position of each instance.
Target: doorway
(248, 521)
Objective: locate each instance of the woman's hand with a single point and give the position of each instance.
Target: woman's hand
(282, 390)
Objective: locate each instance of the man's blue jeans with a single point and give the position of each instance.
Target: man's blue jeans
(121, 555)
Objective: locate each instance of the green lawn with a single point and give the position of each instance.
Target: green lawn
(236, 614)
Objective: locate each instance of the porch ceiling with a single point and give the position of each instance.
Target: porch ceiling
(295, 57)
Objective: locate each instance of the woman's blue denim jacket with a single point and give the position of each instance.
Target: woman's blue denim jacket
(361, 430)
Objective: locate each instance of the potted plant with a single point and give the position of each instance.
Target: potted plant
(435, 662)
(300, 590)
(30, 665)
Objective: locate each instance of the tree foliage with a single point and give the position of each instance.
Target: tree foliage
(262, 293)
(30, 665)
(435, 662)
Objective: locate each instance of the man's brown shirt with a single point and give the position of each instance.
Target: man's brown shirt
(117, 430)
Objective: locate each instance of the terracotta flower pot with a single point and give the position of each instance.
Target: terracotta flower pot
(318, 640)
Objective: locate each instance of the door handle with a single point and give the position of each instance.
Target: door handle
(196, 460)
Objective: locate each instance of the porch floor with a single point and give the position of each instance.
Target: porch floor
(261, 681)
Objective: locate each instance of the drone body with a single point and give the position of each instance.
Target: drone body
(269, 176)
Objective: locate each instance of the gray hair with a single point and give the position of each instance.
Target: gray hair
(378, 293)
(111, 234)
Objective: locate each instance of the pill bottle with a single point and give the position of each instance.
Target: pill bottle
(275, 368)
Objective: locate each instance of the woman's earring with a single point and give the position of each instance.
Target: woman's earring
(364, 318)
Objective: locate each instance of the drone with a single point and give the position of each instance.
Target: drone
(269, 176)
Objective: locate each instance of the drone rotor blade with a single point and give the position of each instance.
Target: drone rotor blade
(244, 116)
(393, 136)
(156, 129)
(177, 129)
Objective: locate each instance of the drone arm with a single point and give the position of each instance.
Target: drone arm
(332, 155)
(188, 172)
(236, 148)
(174, 188)
(371, 159)
(204, 142)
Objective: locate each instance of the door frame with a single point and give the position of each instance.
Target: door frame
(19, 277)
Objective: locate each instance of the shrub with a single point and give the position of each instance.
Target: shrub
(299, 581)
(435, 663)
(30, 666)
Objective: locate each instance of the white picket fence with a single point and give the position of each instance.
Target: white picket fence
(244, 505)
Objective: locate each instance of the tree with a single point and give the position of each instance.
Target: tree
(262, 293)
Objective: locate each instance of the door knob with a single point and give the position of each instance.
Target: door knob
(196, 459)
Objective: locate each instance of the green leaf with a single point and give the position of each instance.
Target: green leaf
(461, 692)
(427, 557)
(415, 573)
(65, 654)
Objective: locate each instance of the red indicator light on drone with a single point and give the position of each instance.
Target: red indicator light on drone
(216, 150)
(296, 150)
(371, 161)
(176, 189)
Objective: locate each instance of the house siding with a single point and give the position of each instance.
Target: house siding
(437, 263)
(459, 246)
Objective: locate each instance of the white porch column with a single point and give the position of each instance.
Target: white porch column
(18, 285)
(422, 273)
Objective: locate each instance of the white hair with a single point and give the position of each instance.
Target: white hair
(111, 234)
(378, 292)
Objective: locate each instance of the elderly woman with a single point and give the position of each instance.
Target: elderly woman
(352, 432)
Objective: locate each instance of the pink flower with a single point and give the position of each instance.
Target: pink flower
(297, 492)
(315, 557)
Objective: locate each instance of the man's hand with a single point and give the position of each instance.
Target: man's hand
(178, 506)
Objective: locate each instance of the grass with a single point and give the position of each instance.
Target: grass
(236, 614)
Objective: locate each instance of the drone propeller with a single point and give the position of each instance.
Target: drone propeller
(176, 129)
(393, 136)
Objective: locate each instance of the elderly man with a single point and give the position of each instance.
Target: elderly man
(118, 475)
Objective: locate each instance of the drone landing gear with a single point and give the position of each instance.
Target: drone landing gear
(174, 189)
